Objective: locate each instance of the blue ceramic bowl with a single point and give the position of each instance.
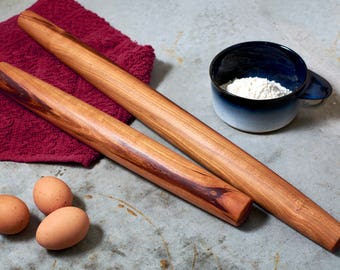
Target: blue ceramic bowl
(273, 62)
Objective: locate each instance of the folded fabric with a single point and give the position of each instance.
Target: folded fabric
(25, 137)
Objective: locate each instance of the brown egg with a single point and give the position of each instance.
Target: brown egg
(51, 193)
(14, 214)
(63, 228)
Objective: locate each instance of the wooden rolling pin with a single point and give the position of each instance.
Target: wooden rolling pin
(126, 146)
(193, 137)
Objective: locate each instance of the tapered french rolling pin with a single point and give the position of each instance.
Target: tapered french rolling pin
(193, 137)
(126, 146)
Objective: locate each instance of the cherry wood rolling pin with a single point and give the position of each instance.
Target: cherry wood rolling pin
(193, 137)
(126, 146)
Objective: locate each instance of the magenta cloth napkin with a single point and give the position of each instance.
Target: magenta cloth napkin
(25, 137)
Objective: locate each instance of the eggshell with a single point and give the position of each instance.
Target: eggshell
(63, 228)
(14, 214)
(51, 193)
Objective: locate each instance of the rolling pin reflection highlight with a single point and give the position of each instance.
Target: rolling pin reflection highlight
(197, 140)
(126, 146)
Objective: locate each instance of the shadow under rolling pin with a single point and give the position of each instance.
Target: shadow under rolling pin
(126, 146)
(193, 137)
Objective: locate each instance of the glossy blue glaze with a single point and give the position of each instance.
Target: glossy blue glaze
(254, 119)
(266, 60)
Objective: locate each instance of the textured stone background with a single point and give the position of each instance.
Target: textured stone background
(136, 225)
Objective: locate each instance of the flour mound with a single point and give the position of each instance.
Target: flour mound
(255, 88)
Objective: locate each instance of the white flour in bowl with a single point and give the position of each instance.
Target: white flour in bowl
(255, 88)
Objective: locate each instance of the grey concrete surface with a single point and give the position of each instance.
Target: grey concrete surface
(136, 225)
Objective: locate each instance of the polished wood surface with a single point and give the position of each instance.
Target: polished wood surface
(193, 137)
(126, 146)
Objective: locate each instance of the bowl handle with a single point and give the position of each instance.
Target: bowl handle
(318, 87)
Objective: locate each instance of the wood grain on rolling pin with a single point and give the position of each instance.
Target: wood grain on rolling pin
(126, 146)
(193, 137)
